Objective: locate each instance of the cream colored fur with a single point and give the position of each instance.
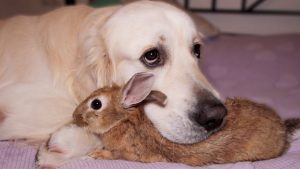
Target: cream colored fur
(49, 63)
(39, 59)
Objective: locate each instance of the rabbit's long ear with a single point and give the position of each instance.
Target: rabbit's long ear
(137, 89)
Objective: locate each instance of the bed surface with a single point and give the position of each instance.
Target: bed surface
(263, 68)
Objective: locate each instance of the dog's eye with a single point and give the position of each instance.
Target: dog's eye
(151, 58)
(96, 104)
(197, 50)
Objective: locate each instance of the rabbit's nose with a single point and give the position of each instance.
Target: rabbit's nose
(82, 118)
(87, 115)
(78, 119)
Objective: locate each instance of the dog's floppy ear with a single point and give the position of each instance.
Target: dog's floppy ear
(94, 67)
(137, 89)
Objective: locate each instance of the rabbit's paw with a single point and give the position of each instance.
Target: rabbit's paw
(101, 154)
(50, 158)
(68, 143)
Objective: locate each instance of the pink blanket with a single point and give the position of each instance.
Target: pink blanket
(263, 68)
(15, 155)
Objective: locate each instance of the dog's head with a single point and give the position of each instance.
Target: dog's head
(156, 37)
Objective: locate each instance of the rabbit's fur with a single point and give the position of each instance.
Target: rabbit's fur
(252, 132)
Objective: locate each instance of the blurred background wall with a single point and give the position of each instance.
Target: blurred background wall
(28, 7)
(253, 24)
(233, 23)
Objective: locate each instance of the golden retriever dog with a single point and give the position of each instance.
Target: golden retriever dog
(50, 63)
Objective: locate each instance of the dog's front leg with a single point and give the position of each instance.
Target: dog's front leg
(68, 143)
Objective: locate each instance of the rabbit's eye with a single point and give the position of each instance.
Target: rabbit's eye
(96, 104)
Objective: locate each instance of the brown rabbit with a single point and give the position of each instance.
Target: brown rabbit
(251, 132)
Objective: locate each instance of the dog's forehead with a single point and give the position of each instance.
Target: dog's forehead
(139, 26)
(148, 17)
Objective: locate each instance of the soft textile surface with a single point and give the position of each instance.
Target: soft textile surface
(265, 69)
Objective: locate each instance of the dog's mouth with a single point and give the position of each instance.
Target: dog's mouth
(189, 133)
(192, 134)
(191, 122)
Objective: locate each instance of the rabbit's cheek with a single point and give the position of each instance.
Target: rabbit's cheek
(88, 116)
(94, 121)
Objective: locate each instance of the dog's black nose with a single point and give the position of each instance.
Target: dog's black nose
(211, 115)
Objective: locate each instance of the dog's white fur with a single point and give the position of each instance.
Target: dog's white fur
(49, 63)
(41, 69)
